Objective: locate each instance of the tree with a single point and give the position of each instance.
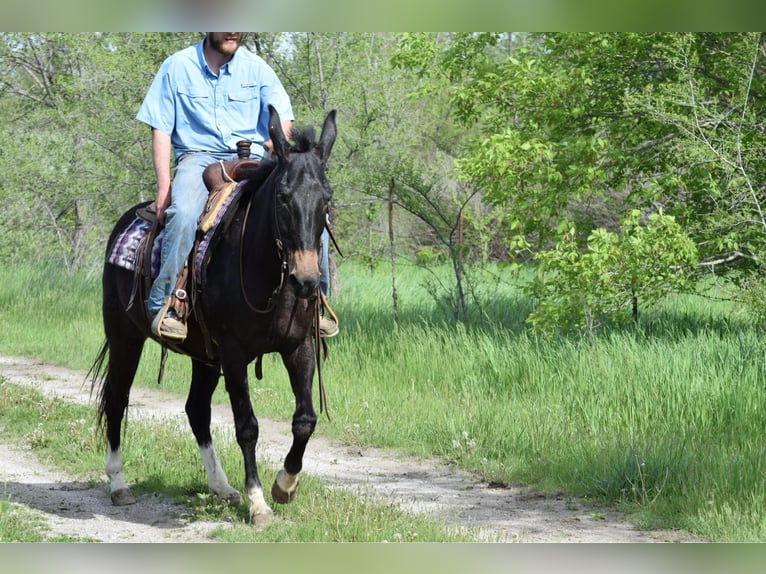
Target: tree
(423, 169)
(577, 131)
(74, 156)
(579, 288)
(714, 112)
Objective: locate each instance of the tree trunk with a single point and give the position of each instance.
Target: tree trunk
(394, 294)
(80, 234)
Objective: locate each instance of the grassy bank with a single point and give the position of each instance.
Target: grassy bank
(664, 421)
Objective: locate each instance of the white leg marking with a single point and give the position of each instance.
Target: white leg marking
(260, 512)
(118, 488)
(216, 477)
(286, 481)
(113, 469)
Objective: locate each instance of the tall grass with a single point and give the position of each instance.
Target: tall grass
(664, 421)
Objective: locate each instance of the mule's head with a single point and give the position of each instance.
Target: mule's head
(302, 199)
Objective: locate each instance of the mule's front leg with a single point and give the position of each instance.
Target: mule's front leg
(246, 427)
(300, 366)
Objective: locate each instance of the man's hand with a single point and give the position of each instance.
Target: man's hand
(160, 204)
(287, 128)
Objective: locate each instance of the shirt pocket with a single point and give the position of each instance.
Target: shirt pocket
(244, 105)
(194, 101)
(192, 93)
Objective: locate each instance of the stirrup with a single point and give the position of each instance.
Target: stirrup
(331, 317)
(159, 321)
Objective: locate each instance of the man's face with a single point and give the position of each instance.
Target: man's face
(225, 43)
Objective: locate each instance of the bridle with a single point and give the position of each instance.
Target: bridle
(280, 251)
(316, 297)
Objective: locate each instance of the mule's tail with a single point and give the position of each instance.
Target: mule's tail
(97, 376)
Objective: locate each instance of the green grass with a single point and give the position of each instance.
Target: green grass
(663, 422)
(164, 459)
(18, 524)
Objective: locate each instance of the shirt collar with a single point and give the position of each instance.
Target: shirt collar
(225, 69)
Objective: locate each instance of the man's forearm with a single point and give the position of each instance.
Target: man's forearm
(161, 160)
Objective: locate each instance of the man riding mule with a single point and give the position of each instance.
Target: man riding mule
(260, 294)
(258, 275)
(203, 101)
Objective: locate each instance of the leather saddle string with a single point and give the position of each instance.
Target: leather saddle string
(225, 174)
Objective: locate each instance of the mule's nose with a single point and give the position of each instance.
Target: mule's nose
(304, 273)
(304, 287)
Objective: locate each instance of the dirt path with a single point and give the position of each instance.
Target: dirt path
(502, 514)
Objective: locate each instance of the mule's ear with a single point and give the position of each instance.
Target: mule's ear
(327, 139)
(278, 139)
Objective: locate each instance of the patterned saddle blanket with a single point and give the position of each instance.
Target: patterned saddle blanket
(124, 251)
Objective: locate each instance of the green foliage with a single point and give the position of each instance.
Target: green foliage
(486, 137)
(579, 129)
(713, 115)
(73, 156)
(428, 256)
(579, 288)
(527, 131)
(505, 167)
(751, 294)
(664, 421)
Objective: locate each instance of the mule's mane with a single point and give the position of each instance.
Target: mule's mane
(304, 140)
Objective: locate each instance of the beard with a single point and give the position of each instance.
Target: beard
(225, 43)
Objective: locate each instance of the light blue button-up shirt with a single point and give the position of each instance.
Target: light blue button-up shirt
(204, 112)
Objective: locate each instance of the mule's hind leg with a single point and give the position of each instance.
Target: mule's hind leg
(124, 355)
(300, 366)
(204, 381)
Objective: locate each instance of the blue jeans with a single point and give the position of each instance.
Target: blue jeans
(324, 264)
(187, 200)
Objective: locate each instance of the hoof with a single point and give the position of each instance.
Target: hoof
(280, 496)
(232, 497)
(123, 497)
(262, 519)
